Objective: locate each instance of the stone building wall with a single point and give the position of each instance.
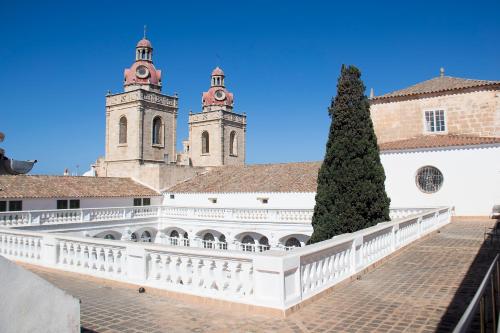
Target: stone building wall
(214, 155)
(140, 107)
(473, 112)
(238, 158)
(156, 175)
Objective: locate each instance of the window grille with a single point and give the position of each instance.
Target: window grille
(429, 179)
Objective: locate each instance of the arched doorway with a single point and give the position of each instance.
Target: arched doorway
(146, 237)
(291, 243)
(247, 243)
(208, 241)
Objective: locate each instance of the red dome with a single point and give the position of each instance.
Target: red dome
(153, 75)
(209, 97)
(144, 43)
(218, 71)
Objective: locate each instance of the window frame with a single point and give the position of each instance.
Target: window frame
(434, 110)
(122, 135)
(233, 144)
(74, 204)
(205, 146)
(3, 206)
(62, 204)
(13, 203)
(159, 135)
(417, 184)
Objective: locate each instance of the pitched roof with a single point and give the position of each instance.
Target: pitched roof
(283, 177)
(438, 84)
(37, 186)
(299, 177)
(437, 141)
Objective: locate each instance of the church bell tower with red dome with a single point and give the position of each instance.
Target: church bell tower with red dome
(217, 135)
(141, 121)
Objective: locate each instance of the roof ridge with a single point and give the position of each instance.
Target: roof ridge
(437, 84)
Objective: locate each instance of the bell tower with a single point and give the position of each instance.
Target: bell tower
(217, 135)
(141, 120)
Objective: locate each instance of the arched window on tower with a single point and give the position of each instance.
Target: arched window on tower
(123, 130)
(233, 144)
(157, 131)
(205, 143)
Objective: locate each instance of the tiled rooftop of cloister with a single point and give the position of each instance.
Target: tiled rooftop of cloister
(425, 287)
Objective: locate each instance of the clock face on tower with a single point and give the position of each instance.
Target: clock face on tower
(142, 72)
(220, 95)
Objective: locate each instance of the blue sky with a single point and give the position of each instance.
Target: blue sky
(281, 59)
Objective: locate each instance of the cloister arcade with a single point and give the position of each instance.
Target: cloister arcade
(209, 238)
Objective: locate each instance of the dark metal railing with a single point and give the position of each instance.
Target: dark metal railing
(486, 299)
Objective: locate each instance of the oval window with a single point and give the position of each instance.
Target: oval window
(429, 179)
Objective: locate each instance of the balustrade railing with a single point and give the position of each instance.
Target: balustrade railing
(275, 279)
(60, 216)
(36, 217)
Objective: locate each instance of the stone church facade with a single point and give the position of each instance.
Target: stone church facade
(141, 128)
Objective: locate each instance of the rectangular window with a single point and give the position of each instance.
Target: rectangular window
(3, 206)
(15, 205)
(62, 204)
(213, 200)
(137, 202)
(434, 121)
(146, 201)
(74, 204)
(172, 196)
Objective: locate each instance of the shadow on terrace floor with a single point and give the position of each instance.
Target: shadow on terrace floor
(470, 285)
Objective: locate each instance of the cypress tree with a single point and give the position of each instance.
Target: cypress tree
(351, 193)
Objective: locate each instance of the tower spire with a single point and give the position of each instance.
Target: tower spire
(145, 28)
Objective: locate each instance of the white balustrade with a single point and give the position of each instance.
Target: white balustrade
(203, 275)
(107, 214)
(15, 218)
(58, 216)
(22, 218)
(61, 216)
(96, 259)
(21, 247)
(275, 279)
(209, 213)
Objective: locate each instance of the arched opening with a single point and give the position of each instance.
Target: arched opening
(146, 237)
(222, 242)
(247, 243)
(208, 240)
(233, 144)
(133, 237)
(109, 236)
(157, 131)
(174, 237)
(205, 143)
(263, 244)
(123, 130)
(292, 242)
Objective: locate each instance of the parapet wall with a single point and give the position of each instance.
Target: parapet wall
(31, 304)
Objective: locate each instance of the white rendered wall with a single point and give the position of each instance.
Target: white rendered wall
(31, 304)
(471, 179)
(45, 204)
(292, 200)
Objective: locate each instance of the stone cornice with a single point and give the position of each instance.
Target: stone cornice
(142, 95)
(217, 115)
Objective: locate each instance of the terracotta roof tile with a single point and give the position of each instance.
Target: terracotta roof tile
(37, 186)
(438, 84)
(298, 177)
(437, 141)
(284, 177)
